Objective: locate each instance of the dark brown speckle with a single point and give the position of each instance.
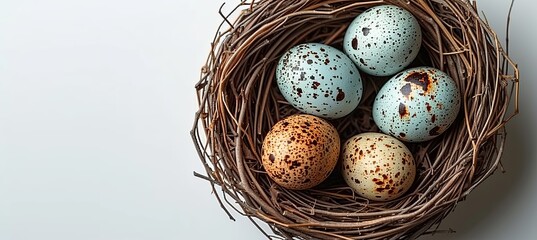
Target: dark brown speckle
(355, 43)
(340, 95)
(403, 110)
(421, 79)
(406, 90)
(272, 158)
(365, 31)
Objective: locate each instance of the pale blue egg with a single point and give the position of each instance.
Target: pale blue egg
(383, 40)
(417, 104)
(319, 80)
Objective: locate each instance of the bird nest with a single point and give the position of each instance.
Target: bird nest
(239, 102)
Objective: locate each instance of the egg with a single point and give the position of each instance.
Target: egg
(383, 40)
(320, 80)
(377, 166)
(300, 151)
(417, 104)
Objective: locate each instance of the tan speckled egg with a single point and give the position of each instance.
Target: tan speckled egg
(378, 166)
(300, 151)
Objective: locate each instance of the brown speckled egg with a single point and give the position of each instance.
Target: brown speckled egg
(378, 166)
(300, 151)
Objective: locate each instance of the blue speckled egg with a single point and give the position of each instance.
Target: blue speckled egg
(383, 40)
(319, 80)
(417, 104)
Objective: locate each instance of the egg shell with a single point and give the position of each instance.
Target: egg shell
(378, 166)
(320, 80)
(383, 40)
(417, 104)
(300, 151)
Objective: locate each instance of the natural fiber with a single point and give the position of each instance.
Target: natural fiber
(239, 102)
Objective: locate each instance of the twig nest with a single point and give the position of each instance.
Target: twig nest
(240, 102)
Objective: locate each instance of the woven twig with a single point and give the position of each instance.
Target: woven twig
(239, 102)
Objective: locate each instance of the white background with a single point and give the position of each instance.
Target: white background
(96, 102)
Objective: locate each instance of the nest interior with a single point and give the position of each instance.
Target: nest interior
(239, 102)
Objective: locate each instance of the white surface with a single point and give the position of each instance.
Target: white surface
(96, 101)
